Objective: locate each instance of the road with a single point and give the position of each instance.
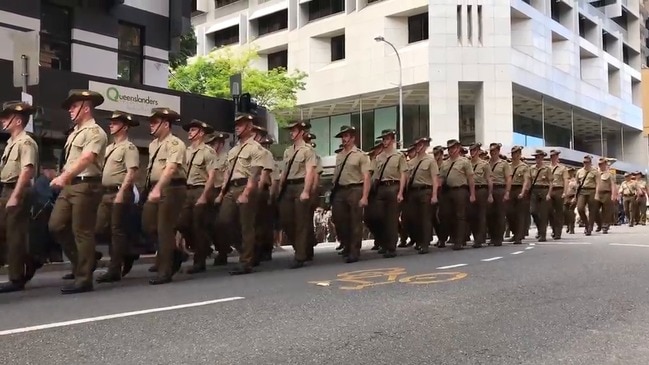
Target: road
(582, 300)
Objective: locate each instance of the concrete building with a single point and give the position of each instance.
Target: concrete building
(562, 73)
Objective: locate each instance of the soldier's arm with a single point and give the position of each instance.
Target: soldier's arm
(211, 175)
(175, 159)
(566, 182)
(468, 170)
(434, 174)
(403, 169)
(526, 179)
(28, 155)
(132, 162)
(549, 177)
(507, 170)
(598, 178)
(256, 169)
(96, 144)
(365, 169)
(613, 188)
(487, 173)
(310, 164)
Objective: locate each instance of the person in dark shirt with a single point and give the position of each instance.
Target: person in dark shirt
(41, 242)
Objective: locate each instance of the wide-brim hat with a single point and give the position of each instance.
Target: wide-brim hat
(95, 98)
(452, 142)
(424, 140)
(260, 131)
(516, 149)
(494, 146)
(313, 145)
(438, 149)
(554, 152)
(124, 117)
(539, 153)
(243, 117)
(266, 140)
(345, 129)
(309, 136)
(216, 136)
(299, 124)
(588, 158)
(411, 148)
(167, 114)
(195, 123)
(17, 107)
(388, 132)
(475, 146)
(339, 149)
(627, 174)
(602, 160)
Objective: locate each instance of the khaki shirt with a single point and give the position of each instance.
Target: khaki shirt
(168, 150)
(628, 188)
(200, 161)
(423, 170)
(305, 158)
(396, 165)
(355, 167)
(220, 165)
(481, 172)
(559, 174)
(89, 137)
(319, 169)
(120, 157)
(275, 175)
(572, 187)
(519, 171)
(20, 152)
(605, 181)
(544, 176)
(248, 154)
(591, 176)
(641, 185)
(500, 169)
(458, 175)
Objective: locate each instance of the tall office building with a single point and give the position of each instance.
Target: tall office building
(561, 73)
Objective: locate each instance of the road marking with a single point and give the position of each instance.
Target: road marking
(565, 243)
(517, 252)
(629, 245)
(532, 244)
(114, 316)
(357, 280)
(450, 266)
(492, 259)
(529, 248)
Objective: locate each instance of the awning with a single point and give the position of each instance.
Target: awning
(224, 25)
(269, 10)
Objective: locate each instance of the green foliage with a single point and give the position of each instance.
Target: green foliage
(188, 44)
(276, 90)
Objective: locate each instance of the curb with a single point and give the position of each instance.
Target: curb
(67, 266)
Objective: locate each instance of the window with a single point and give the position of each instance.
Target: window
(321, 8)
(222, 3)
(226, 36)
(338, 48)
(56, 37)
(555, 11)
(278, 60)
(130, 53)
(273, 22)
(417, 28)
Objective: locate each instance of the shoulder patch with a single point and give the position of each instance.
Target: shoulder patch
(94, 131)
(131, 146)
(174, 142)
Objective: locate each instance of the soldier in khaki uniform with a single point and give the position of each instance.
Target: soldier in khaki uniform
(484, 196)
(587, 189)
(628, 191)
(75, 212)
(239, 194)
(501, 178)
(166, 185)
(406, 228)
(265, 214)
(388, 182)
(315, 195)
(570, 203)
(558, 193)
(349, 194)
(201, 168)
(217, 140)
(295, 192)
(518, 203)
(367, 216)
(641, 198)
(421, 194)
(118, 176)
(459, 190)
(540, 193)
(18, 162)
(606, 195)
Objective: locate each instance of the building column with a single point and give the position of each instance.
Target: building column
(495, 123)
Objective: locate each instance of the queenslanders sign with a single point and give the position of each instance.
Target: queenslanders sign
(134, 101)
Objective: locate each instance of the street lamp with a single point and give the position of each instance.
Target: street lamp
(381, 39)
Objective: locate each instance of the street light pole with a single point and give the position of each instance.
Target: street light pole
(381, 39)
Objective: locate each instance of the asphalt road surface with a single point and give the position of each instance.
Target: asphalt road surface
(582, 300)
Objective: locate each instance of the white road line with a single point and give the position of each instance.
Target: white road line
(532, 244)
(450, 266)
(629, 245)
(565, 243)
(114, 316)
(492, 259)
(529, 248)
(517, 252)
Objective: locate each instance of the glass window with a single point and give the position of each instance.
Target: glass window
(467, 124)
(278, 60)
(417, 27)
(384, 118)
(320, 127)
(226, 36)
(321, 8)
(527, 131)
(356, 123)
(56, 37)
(221, 3)
(130, 53)
(367, 139)
(338, 48)
(273, 22)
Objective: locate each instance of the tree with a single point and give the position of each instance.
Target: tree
(188, 44)
(276, 90)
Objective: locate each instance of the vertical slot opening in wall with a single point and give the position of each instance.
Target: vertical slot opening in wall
(480, 24)
(459, 24)
(469, 22)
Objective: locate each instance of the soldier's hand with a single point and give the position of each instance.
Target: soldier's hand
(12, 202)
(506, 197)
(201, 200)
(119, 198)
(362, 203)
(563, 196)
(472, 198)
(154, 195)
(58, 182)
(399, 198)
(548, 197)
(573, 201)
(242, 199)
(304, 196)
(433, 200)
(521, 196)
(490, 199)
(218, 199)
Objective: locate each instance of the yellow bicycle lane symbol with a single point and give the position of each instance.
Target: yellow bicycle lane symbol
(362, 279)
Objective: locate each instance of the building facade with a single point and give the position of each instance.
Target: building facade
(563, 73)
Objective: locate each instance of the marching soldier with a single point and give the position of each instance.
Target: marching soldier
(118, 176)
(440, 230)
(459, 189)
(266, 213)
(406, 228)
(540, 193)
(388, 182)
(421, 194)
(587, 189)
(570, 203)
(76, 206)
(641, 200)
(193, 218)
(166, 185)
(371, 224)
(501, 178)
(19, 161)
(295, 189)
(607, 195)
(518, 206)
(483, 197)
(239, 194)
(349, 194)
(217, 140)
(628, 191)
(315, 196)
(558, 193)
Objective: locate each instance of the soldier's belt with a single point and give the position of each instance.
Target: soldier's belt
(239, 182)
(11, 185)
(295, 181)
(604, 191)
(584, 188)
(557, 187)
(481, 186)
(389, 182)
(172, 182)
(192, 187)
(111, 188)
(629, 195)
(499, 186)
(420, 187)
(349, 186)
(85, 180)
(458, 187)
